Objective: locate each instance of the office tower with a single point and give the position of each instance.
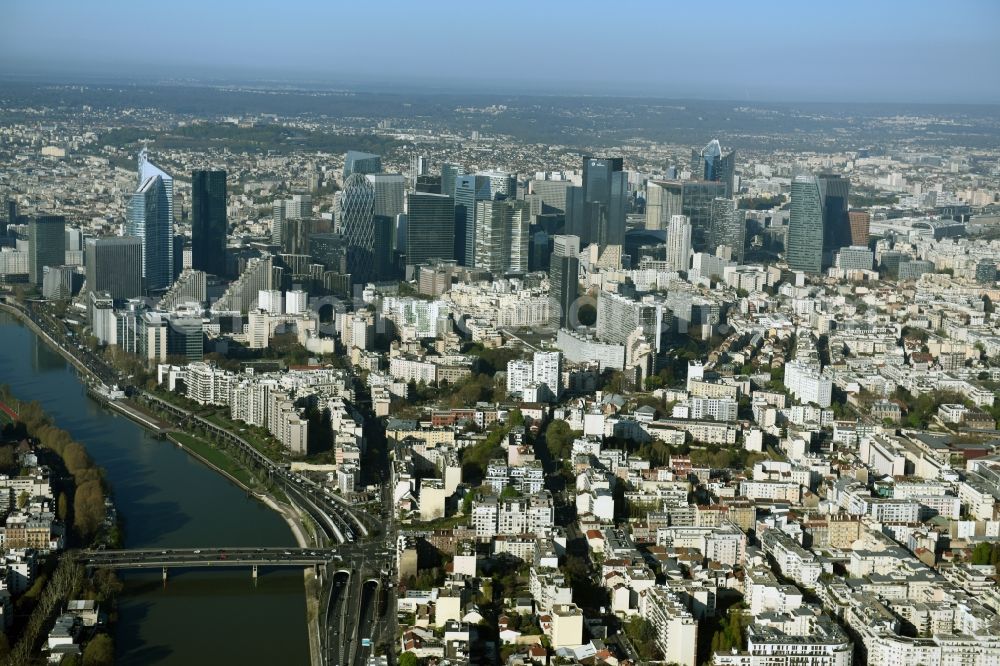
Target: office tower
(468, 190)
(729, 227)
(180, 243)
(329, 249)
(552, 193)
(564, 275)
(299, 207)
(860, 222)
(710, 164)
(60, 283)
(382, 263)
(656, 202)
(596, 211)
(277, 220)
(835, 190)
(356, 161)
(429, 184)
(357, 206)
(114, 266)
(449, 175)
(418, 166)
(389, 191)
(208, 221)
(804, 247)
(430, 227)
(295, 234)
(679, 243)
(502, 184)
(11, 211)
(691, 198)
(74, 239)
(46, 245)
(150, 218)
(502, 236)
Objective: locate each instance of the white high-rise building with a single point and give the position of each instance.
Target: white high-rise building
(679, 243)
(271, 300)
(806, 383)
(547, 369)
(519, 375)
(390, 189)
(296, 302)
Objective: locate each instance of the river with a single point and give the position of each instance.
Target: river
(168, 499)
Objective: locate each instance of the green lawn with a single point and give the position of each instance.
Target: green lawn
(217, 457)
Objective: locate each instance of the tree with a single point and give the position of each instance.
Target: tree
(559, 439)
(100, 651)
(408, 659)
(23, 499)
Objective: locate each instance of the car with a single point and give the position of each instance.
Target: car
(287, 553)
(197, 552)
(223, 556)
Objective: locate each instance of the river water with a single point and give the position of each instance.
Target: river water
(168, 499)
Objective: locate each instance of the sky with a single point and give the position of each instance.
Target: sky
(794, 50)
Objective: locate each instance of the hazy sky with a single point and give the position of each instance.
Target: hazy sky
(832, 50)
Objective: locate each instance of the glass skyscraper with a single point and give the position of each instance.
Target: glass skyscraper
(710, 164)
(449, 175)
(468, 190)
(835, 190)
(357, 210)
(46, 245)
(728, 227)
(114, 265)
(502, 236)
(430, 227)
(150, 218)
(598, 210)
(804, 245)
(356, 161)
(208, 221)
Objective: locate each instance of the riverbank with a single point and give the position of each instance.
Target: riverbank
(288, 514)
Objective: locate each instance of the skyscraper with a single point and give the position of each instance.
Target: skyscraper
(679, 243)
(835, 190)
(114, 265)
(468, 190)
(430, 227)
(564, 274)
(860, 222)
(692, 198)
(596, 213)
(552, 193)
(150, 218)
(46, 245)
(804, 247)
(357, 207)
(729, 227)
(418, 166)
(208, 221)
(710, 164)
(389, 191)
(356, 161)
(502, 236)
(450, 174)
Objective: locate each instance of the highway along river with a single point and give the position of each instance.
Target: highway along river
(169, 499)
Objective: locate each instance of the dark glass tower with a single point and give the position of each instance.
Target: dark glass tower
(605, 188)
(46, 245)
(430, 230)
(208, 221)
(835, 190)
(468, 190)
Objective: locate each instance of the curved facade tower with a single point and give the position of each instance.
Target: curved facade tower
(357, 221)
